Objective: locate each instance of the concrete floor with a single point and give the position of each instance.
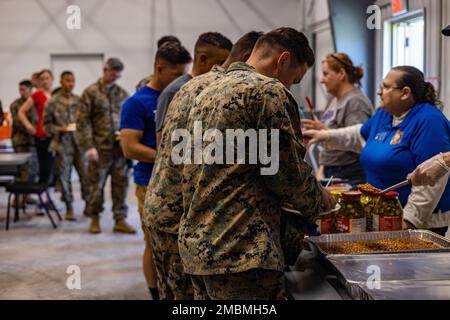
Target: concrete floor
(34, 258)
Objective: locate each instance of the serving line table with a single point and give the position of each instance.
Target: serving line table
(406, 276)
(10, 159)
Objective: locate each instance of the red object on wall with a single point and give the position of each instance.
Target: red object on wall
(399, 7)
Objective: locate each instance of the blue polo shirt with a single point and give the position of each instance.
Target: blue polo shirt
(391, 153)
(138, 113)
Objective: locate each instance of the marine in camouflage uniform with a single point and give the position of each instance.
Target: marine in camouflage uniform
(98, 127)
(143, 83)
(22, 141)
(230, 228)
(164, 200)
(58, 115)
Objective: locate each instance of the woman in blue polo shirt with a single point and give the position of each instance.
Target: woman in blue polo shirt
(407, 130)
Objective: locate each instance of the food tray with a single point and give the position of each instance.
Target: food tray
(371, 236)
(428, 271)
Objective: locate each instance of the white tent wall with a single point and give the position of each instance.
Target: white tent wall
(32, 30)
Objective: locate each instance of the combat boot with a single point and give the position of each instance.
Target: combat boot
(122, 226)
(69, 214)
(95, 225)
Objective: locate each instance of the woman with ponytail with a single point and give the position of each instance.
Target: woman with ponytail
(408, 129)
(348, 106)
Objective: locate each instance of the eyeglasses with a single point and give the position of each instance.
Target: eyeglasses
(384, 87)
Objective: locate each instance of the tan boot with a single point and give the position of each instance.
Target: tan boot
(69, 214)
(123, 227)
(95, 225)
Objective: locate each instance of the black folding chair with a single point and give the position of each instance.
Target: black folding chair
(26, 188)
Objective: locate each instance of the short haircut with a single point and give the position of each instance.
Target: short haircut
(26, 83)
(166, 39)
(46, 71)
(245, 43)
(114, 64)
(213, 39)
(289, 39)
(173, 53)
(66, 73)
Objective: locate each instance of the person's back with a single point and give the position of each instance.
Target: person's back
(211, 48)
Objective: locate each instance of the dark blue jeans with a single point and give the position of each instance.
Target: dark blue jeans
(354, 173)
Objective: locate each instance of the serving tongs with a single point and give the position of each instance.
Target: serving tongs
(397, 186)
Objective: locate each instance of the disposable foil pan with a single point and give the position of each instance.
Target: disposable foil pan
(319, 252)
(398, 275)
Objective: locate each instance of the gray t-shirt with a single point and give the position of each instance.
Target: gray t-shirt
(351, 109)
(166, 98)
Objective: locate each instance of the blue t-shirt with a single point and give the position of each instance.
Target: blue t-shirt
(391, 153)
(138, 113)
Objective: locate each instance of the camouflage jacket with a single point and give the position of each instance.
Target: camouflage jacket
(98, 116)
(231, 219)
(164, 201)
(57, 116)
(20, 135)
(143, 82)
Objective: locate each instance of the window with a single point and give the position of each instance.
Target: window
(404, 42)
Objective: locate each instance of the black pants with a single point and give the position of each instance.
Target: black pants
(354, 173)
(46, 160)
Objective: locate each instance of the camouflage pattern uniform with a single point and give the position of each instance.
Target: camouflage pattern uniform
(22, 141)
(57, 116)
(231, 220)
(98, 127)
(164, 201)
(143, 82)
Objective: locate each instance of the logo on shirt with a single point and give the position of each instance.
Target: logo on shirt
(397, 138)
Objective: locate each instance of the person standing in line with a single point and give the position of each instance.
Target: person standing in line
(60, 123)
(22, 141)
(230, 229)
(39, 100)
(161, 41)
(138, 134)
(164, 200)
(97, 124)
(211, 48)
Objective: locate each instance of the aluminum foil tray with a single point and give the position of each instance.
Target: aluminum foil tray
(319, 252)
(408, 276)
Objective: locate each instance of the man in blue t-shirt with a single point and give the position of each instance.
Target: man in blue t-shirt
(138, 133)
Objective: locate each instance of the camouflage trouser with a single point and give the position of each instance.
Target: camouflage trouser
(255, 284)
(28, 171)
(64, 162)
(113, 163)
(173, 283)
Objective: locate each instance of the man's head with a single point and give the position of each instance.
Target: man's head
(170, 63)
(446, 31)
(283, 53)
(166, 39)
(242, 49)
(35, 79)
(211, 48)
(25, 88)
(112, 71)
(45, 79)
(67, 81)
